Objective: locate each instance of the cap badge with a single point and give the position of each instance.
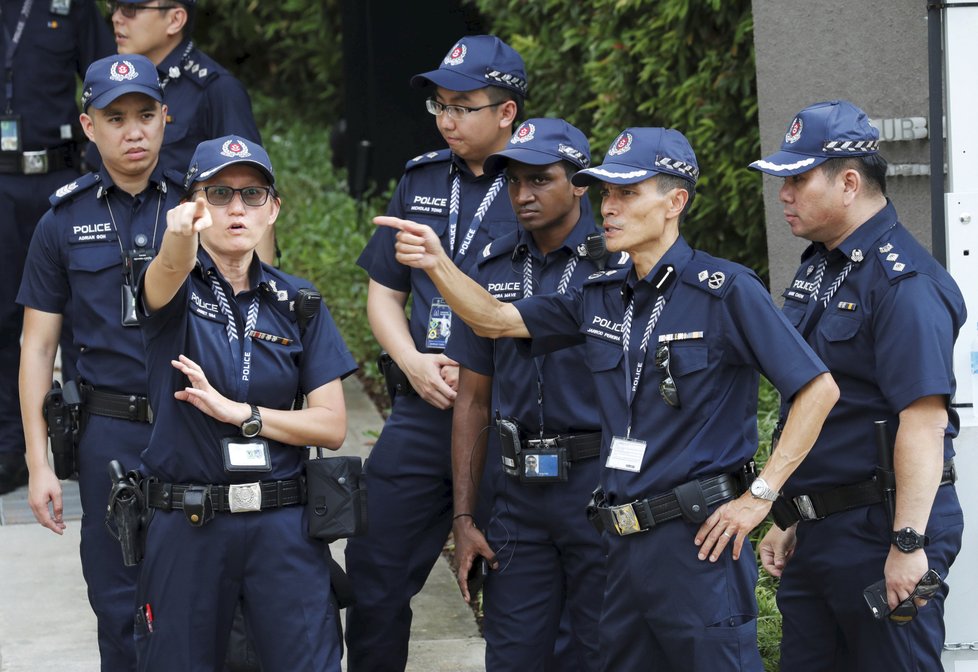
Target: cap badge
(235, 149)
(622, 144)
(525, 133)
(794, 131)
(120, 72)
(456, 55)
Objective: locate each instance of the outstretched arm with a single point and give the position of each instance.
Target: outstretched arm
(418, 247)
(178, 253)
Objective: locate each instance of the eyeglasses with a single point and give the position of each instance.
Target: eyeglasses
(667, 387)
(220, 195)
(130, 10)
(925, 589)
(454, 111)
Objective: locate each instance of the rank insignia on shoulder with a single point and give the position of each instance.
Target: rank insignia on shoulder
(486, 250)
(681, 336)
(703, 275)
(846, 305)
(899, 267)
(66, 189)
(886, 248)
(893, 256)
(716, 280)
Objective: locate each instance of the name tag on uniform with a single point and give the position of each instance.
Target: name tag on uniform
(241, 454)
(439, 324)
(626, 454)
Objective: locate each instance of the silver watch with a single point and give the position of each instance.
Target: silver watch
(759, 489)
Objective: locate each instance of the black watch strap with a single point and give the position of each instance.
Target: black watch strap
(908, 540)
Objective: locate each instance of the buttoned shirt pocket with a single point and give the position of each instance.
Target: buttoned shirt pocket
(836, 327)
(603, 356)
(687, 358)
(93, 258)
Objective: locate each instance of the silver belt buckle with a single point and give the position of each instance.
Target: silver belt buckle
(626, 522)
(542, 443)
(34, 163)
(244, 497)
(805, 509)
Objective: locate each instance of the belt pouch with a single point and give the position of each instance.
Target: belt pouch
(336, 505)
(197, 506)
(784, 513)
(692, 502)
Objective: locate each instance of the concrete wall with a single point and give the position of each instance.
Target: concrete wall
(873, 53)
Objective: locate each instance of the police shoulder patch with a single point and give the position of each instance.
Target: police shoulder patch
(430, 157)
(73, 188)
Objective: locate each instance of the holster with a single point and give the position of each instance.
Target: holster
(396, 380)
(127, 517)
(62, 412)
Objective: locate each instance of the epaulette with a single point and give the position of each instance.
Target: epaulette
(610, 275)
(710, 274)
(200, 69)
(73, 188)
(896, 266)
(175, 176)
(498, 247)
(430, 157)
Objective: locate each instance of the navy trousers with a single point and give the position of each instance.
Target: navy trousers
(666, 610)
(551, 562)
(111, 585)
(827, 624)
(193, 578)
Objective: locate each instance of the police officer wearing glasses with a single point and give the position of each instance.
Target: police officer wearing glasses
(85, 258)
(226, 353)
(542, 555)
(674, 345)
(45, 46)
(205, 101)
(476, 94)
(883, 316)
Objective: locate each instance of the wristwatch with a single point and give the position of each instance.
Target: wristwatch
(908, 540)
(759, 489)
(251, 427)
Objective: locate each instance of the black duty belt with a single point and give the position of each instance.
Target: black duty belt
(690, 501)
(132, 407)
(235, 498)
(789, 510)
(578, 446)
(39, 162)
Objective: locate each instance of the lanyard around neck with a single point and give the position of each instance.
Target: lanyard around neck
(241, 355)
(453, 214)
(12, 43)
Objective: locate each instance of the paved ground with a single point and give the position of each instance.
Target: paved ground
(47, 625)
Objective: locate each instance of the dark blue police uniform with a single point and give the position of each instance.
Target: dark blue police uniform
(664, 608)
(75, 264)
(264, 557)
(203, 100)
(409, 474)
(57, 42)
(887, 336)
(547, 553)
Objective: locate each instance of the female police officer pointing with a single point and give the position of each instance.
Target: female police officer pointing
(225, 357)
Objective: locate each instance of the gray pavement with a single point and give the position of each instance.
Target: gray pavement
(46, 623)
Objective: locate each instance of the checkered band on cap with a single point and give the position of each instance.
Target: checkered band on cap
(507, 80)
(679, 166)
(851, 146)
(575, 155)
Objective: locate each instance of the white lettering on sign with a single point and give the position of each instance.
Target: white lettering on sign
(901, 128)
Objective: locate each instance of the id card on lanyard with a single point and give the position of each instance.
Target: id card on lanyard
(440, 314)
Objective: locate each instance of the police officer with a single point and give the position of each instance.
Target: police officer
(883, 315)
(477, 93)
(225, 356)
(204, 100)
(85, 257)
(674, 344)
(546, 555)
(45, 46)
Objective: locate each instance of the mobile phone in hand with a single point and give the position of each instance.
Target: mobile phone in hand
(477, 575)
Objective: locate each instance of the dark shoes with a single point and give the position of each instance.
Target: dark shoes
(13, 472)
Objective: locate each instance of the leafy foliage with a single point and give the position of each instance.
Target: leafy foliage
(609, 64)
